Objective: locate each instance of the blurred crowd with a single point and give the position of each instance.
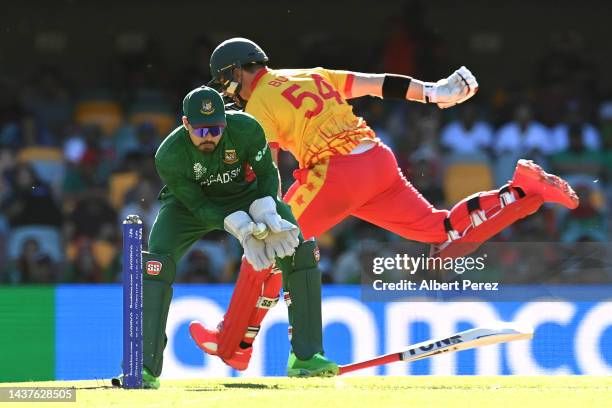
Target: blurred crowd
(75, 160)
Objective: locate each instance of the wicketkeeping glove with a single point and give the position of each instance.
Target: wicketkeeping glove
(263, 210)
(457, 88)
(282, 244)
(241, 226)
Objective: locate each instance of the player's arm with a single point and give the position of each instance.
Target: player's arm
(191, 196)
(264, 167)
(274, 153)
(457, 88)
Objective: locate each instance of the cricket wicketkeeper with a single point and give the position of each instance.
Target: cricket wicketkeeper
(219, 174)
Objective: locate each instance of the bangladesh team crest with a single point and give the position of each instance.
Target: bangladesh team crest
(207, 107)
(230, 157)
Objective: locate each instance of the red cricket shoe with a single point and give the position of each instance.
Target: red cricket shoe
(207, 340)
(533, 179)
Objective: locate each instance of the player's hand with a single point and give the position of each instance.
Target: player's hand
(457, 88)
(264, 210)
(241, 226)
(255, 252)
(282, 244)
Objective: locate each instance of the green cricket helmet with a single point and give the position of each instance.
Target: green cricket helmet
(204, 107)
(230, 54)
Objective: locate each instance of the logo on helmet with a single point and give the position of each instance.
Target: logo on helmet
(207, 107)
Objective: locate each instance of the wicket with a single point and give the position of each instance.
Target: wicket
(132, 302)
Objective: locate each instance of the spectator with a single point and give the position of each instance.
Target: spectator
(31, 201)
(84, 268)
(605, 119)
(93, 218)
(524, 136)
(467, 135)
(142, 200)
(585, 223)
(588, 133)
(89, 164)
(198, 268)
(577, 157)
(32, 266)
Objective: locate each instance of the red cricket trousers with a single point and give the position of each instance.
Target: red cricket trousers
(369, 186)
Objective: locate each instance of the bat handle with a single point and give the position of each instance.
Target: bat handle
(375, 362)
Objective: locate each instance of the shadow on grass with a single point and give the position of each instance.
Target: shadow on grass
(246, 386)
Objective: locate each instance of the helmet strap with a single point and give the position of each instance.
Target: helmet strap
(233, 91)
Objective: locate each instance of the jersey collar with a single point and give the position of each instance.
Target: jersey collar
(258, 76)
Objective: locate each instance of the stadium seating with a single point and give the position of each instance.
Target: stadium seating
(104, 113)
(119, 184)
(465, 175)
(49, 240)
(576, 226)
(47, 162)
(162, 121)
(103, 251)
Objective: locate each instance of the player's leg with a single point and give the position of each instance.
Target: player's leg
(483, 215)
(392, 202)
(254, 294)
(302, 286)
(403, 210)
(172, 233)
(317, 201)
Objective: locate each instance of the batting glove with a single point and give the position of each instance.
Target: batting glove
(457, 88)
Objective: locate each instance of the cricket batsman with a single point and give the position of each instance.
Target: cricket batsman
(219, 174)
(344, 169)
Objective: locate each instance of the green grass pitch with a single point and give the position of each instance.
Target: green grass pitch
(344, 392)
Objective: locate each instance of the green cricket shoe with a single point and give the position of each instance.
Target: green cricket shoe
(149, 381)
(317, 366)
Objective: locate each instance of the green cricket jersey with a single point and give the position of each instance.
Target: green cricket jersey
(214, 184)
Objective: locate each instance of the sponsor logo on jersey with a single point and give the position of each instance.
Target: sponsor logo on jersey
(199, 170)
(154, 267)
(261, 153)
(207, 107)
(222, 178)
(230, 157)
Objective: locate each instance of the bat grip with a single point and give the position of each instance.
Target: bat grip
(375, 362)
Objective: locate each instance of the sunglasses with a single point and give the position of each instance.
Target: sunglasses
(214, 131)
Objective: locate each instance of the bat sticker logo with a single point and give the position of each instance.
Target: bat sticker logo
(436, 345)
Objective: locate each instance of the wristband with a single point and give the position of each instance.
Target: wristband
(395, 86)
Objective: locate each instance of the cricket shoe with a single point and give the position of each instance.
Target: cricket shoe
(149, 381)
(208, 341)
(317, 366)
(534, 180)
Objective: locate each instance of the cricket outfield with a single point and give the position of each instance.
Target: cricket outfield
(419, 391)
